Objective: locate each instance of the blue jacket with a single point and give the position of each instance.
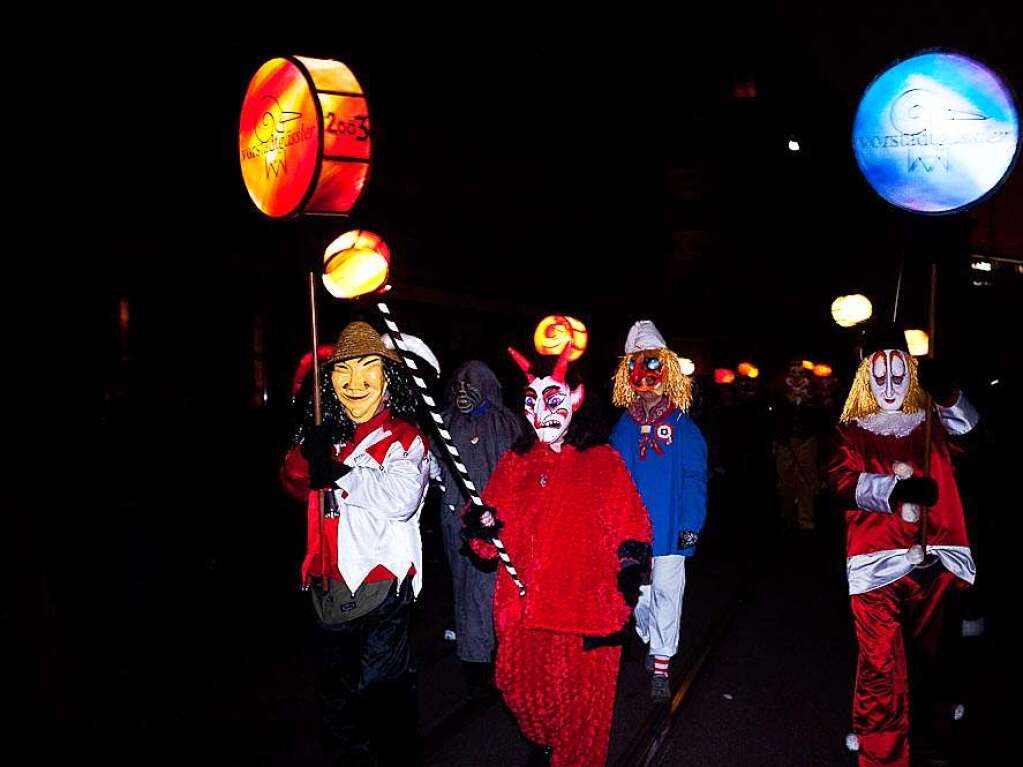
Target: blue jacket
(668, 463)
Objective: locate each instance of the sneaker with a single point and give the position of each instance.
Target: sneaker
(660, 688)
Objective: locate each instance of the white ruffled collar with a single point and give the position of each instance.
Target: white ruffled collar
(897, 424)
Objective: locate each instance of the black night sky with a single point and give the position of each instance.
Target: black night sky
(617, 164)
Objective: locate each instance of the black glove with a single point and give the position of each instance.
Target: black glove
(318, 450)
(919, 490)
(473, 527)
(630, 578)
(324, 474)
(936, 379)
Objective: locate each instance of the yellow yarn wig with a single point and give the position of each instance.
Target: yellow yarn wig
(861, 402)
(677, 386)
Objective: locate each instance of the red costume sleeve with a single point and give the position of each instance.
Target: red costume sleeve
(630, 521)
(295, 475)
(498, 493)
(847, 463)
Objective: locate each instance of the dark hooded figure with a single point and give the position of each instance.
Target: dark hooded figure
(482, 429)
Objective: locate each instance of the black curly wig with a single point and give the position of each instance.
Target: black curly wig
(401, 394)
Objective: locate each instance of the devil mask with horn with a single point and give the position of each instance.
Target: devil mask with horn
(549, 401)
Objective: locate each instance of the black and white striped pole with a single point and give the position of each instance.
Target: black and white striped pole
(445, 435)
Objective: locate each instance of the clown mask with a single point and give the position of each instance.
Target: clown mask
(360, 385)
(889, 379)
(549, 402)
(797, 383)
(646, 373)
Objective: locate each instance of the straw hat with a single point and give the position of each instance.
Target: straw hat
(359, 339)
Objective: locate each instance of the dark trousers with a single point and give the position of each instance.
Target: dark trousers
(366, 686)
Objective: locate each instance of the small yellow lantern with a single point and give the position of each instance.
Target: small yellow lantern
(555, 331)
(918, 342)
(822, 371)
(808, 365)
(356, 263)
(851, 310)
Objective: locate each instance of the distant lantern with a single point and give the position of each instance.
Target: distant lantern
(748, 369)
(851, 310)
(687, 365)
(723, 376)
(822, 371)
(555, 331)
(356, 263)
(304, 138)
(918, 342)
(808, 365)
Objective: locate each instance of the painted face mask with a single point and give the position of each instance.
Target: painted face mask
(889, 379)
(797, 383)
(360, 385)
(467, 397)
(548, 401)
(646, 373)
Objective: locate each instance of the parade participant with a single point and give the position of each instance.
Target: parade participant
(798, 422)
(667, 457)
(897, 589)
(482, 429)
(571, 517)
(372, 461)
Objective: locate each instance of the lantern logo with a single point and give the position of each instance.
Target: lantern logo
(304, 138)
(936, 132)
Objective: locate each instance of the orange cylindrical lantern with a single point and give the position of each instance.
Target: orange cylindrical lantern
(744, 368)
(555, 331)
(356, 263)
(304, 138)
(822, 371)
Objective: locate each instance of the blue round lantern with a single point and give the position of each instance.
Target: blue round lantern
(936, 133)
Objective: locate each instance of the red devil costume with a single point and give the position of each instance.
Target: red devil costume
(574, 523)
(896, 587)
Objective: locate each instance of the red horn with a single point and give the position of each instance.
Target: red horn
(562, 366)
(522, 362)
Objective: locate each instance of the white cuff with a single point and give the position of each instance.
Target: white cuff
(874, 490)
(960, 417)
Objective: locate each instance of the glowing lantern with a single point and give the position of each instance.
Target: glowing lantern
(748, 369)
(304, 138)
(851, 310)
(356, 263)
(555, 331)
(918, 342)
(723, 376)
(807, 365)
(822, 371)
(687, 365)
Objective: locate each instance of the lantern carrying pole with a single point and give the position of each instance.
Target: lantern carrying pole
(317, 418)
(445, 435)
(929, 422)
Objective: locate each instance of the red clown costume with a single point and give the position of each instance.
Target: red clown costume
(575, 525)
(897, 582)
